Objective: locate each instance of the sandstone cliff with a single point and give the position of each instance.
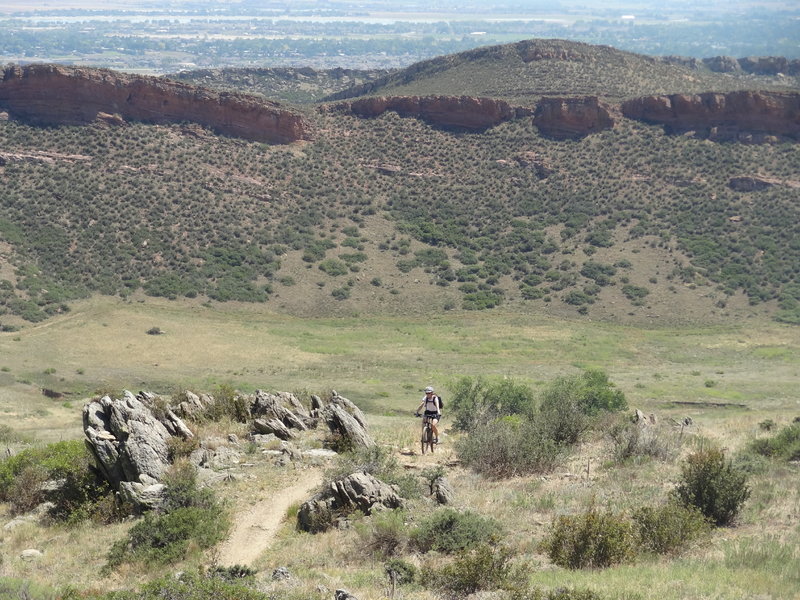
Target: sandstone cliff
(570, 118)
(742, 116)
(460, 112)
(52, 94)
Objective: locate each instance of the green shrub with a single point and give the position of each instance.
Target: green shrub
(509, 446)
(477, 400)
(166, 538)
(384, 534)
(481, 568)
(630, 442)
(451, 531)
(79, 490)
(590, 540)
(333, 267)
(228, 404)
(784, 445)
(668, 529)
(400, 571)
(187, 587)
(181, 489)
(712, 485)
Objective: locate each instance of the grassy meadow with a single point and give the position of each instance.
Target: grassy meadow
(728, 379)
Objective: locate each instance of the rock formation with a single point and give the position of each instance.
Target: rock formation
(53, 94)
(743, 116)
(458, 112)
(570, 118)
(130, 444)
(359, 491)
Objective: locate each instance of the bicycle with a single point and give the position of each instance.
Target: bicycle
(427, 440)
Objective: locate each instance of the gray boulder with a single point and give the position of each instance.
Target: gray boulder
(358, 491)
(442, 491)
(274, 427)
(348, 426)
(343, 595)
(130, 444)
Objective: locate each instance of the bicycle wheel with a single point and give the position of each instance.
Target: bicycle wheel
(427, 438)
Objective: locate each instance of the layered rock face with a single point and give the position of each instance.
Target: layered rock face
(742, 116)
(460, 112)
(570, 118)
(52, 94)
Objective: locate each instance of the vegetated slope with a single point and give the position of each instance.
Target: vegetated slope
(392, 214)
(524, 71)
(287, 84)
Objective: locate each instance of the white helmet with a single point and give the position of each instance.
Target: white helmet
(428, 389)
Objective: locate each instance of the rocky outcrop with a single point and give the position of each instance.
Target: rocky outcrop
(455, 112)
(358, 491)
(130, 444)
(54, 94)
(735, 116)
(345, 419)
(750, 184)
(571, 118)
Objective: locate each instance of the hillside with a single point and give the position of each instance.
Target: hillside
(527, 70)
(384, 214)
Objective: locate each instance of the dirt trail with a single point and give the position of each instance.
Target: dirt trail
(254, 528)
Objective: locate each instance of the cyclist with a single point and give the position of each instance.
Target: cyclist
(433, 411)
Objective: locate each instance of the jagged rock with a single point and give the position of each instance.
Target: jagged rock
(220, 457)
(276, 407)
(130, 445)
(443, 491)
(359, 491)
(274, 427)
(262, 438)
(722, 64)
(348, 426)
(59, 94)
(193, 406)
(571, 118)
(533, 161)
(149, 497)
(281, 573)
(343, 595)
(738, 116)
(348, 406)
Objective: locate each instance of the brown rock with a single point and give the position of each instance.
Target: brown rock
(570, 118)
(53, 94)
(749, 184)
(743, 116)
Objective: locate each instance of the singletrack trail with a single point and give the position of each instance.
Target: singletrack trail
(254, 528)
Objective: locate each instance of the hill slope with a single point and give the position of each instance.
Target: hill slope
(390, 214)
(526, 70)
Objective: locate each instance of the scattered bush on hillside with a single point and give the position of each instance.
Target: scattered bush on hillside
(78, 495)
(450, 531)
(711, 484)
(509, 446)
(188, 586)
(191, 518)
(481, 568)
(228, 404)
(590, 540)
(384, 534)
(477, 400)
(399, 571)
(784, 445)
(630, 442)
(669, 528)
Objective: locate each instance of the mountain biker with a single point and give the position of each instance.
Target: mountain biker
(433, 411)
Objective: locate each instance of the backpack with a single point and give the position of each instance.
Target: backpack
(441, 402)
